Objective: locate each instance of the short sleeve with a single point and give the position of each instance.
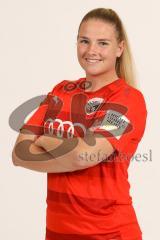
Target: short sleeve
(36, 122)
(123, 123)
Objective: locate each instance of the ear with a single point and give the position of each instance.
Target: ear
(120, 48)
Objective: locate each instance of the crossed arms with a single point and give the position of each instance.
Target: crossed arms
(58, 155)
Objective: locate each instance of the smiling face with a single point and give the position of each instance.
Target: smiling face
(97, 48)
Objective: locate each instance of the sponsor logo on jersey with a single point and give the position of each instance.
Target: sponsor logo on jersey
(62, 126)
(114, 122)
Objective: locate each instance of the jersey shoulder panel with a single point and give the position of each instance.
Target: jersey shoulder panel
(59, 86)
(136, 98)
(129, 96)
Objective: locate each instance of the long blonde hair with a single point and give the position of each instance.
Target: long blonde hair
(124, 64)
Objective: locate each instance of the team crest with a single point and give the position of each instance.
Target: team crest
(93, 105)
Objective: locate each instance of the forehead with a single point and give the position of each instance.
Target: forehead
(95, 29)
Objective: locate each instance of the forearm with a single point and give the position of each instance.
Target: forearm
(78, 152)
(87, 151)
(63, 155)
(37, 159)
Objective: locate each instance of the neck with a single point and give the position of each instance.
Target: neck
(100, 80)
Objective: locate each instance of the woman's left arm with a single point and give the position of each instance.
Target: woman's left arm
(85, 152)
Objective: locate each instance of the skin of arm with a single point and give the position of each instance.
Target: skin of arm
(88, 151)
(48, 154)
(28, 155)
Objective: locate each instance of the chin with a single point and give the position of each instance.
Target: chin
(93, 73)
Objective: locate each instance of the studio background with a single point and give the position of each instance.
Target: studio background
(38, 50)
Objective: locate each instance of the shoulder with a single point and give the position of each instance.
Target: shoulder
(130, 96)
(134, 102)
(59, 86)
(129, 101)
(67, 85)
(135, 97)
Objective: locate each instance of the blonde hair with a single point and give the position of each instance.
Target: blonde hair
(124, 64)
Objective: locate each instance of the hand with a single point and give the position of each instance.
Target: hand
(48, 142)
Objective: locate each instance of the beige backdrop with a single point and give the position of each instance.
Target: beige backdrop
(37, 50)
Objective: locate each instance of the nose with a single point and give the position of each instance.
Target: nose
(92, 48)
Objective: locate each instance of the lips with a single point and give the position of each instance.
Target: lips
(92, 60)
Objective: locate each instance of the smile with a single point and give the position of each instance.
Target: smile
(92, 60)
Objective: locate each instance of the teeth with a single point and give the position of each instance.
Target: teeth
(92, 60)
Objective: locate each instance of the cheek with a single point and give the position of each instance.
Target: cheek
(110, 54)
(80, 54)
(80, 50)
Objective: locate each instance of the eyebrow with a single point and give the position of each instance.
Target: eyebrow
(102, 39)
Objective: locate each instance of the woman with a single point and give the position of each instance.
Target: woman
(84, 135)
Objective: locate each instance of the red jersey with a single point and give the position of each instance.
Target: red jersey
(93, 203)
